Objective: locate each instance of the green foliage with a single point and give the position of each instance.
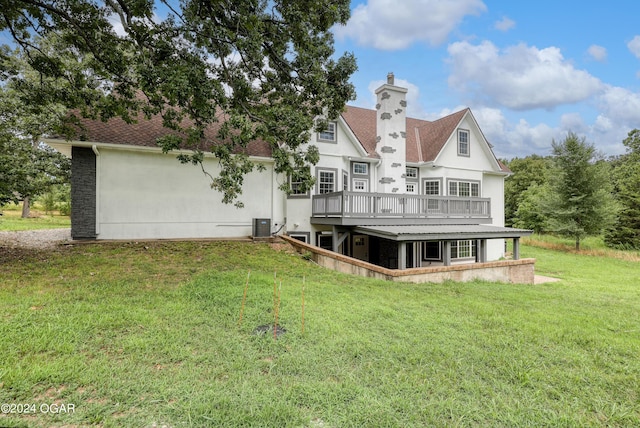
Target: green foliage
(27, 167)
(625, 232)
(252, 70)
(57, 198)
(580, 201)
(522, 191)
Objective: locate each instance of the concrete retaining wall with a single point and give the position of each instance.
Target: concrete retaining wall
(510, 271)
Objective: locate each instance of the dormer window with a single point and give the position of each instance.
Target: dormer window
(463, 142)
(329, 133)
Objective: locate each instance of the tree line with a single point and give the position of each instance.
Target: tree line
(577, 192)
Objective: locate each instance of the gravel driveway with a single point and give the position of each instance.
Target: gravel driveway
(38, 239)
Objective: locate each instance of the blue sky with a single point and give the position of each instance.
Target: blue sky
(529, 71)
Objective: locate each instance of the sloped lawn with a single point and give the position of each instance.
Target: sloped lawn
(147, 334)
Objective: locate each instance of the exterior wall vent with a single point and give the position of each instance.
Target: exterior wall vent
(261, 227)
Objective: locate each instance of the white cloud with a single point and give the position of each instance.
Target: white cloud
(393, 25)
(505, 24)
(520, 77)
(620, 106)
(597, 52)
(634, 46)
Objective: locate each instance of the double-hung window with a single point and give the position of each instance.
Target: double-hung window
(326, 181)
(329, 133)
(432, 187)
(463, 143)
(295, 181)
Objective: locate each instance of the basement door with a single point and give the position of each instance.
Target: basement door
(361, 247)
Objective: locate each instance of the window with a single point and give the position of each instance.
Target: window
(431, 250)
(432, 187)
(329, 134)
(345, 181)
(360, 185)
(463, 142)
(412, 172)
(463, 249)
(411, 188)
(325, 241)
(360, 168)
(302, 236)
(464, 189)
(295, 182)
(326, 181)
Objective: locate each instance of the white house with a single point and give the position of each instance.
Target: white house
(395, 191)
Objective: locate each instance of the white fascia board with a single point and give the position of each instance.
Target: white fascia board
(60, 145)
(347, 130)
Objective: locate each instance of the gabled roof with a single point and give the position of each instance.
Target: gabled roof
(424, 139)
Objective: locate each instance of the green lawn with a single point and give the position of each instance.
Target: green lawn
(39, 219)
(147, 334)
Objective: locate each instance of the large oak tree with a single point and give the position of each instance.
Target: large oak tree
(265, 69)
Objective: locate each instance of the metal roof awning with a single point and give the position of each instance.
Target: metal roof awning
(441, 232)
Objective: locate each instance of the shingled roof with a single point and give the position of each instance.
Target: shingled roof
(425, 139)
(145, 133)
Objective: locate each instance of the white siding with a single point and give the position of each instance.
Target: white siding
(150, 195)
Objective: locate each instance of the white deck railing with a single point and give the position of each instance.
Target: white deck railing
(359, 204)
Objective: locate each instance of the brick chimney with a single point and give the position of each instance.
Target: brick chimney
(391, 130)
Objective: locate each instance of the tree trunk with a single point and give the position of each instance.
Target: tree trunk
(26, 207)
(578, 243)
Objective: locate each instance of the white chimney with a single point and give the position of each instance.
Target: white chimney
(391, 131)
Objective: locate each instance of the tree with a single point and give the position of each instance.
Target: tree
(580, 201)
(263, 69)
(528, 173)
(625, 232)
(27, 167)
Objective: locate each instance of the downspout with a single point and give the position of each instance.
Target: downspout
(94, 148)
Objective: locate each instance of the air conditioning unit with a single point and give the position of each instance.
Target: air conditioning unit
(261, 227)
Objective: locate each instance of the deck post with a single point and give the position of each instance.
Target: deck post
(402, 255)
(446, 250)
(516, 248)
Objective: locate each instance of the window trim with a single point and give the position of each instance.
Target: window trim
(297, 235)
(292, 195)
(472, 249)
(366, 168)
(467, 142)
(409, 177)
(333, 171)
(429, 180)
(424, 251)
(330, 124)
(470, 182)
(320, 236)
(365, 181)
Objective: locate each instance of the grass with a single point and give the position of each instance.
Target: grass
(39, 219)
(590, 246)
(147, 335)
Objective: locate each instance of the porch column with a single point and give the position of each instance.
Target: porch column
(446, 256)
(482, 250)
(402, 255)
(516, 248)
(337, 240)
